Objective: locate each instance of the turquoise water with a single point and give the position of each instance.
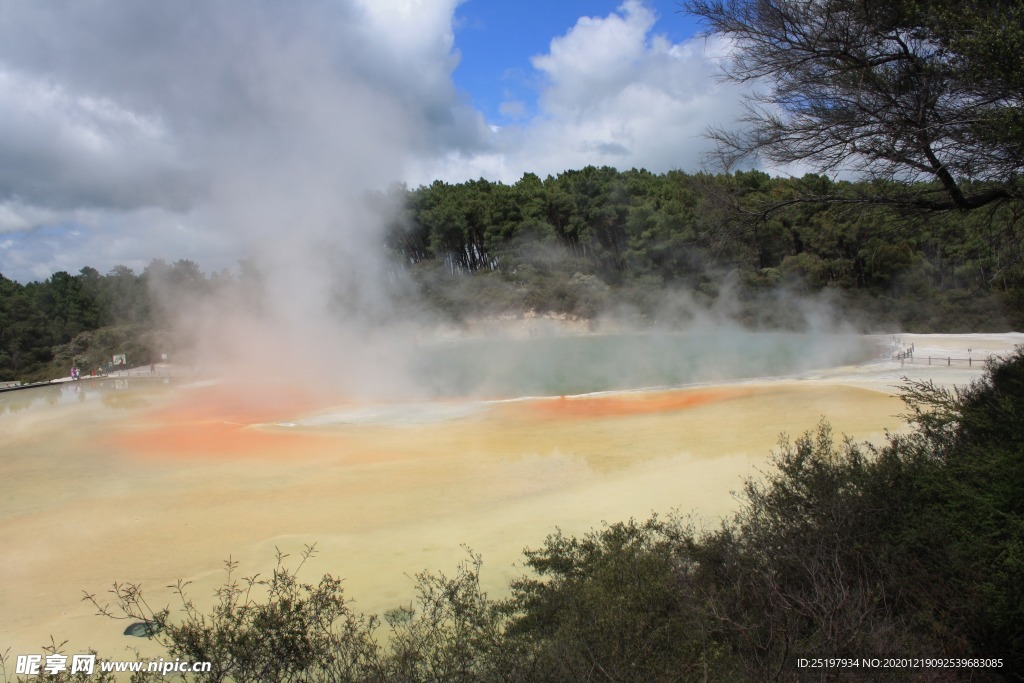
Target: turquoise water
(551, 366)
(496, 368)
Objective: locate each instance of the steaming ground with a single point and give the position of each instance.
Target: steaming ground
(149, 483)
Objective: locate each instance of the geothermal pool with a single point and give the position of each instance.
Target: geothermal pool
(144, 481)
(551, 365)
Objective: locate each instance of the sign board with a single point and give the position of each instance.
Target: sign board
(120, 359)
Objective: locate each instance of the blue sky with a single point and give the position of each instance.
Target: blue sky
(137, 130)
(497, 39)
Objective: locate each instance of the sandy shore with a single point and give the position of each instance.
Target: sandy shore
(148, 484)
(946, 359)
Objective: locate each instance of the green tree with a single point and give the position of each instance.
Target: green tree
(971, 499)
(911, 89)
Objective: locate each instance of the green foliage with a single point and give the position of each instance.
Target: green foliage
(902, 89)
(636, 229)
(452, 632)
(46, 327)
(280, 629)
(274, 629)
(975, 436)
(614, 605)
(586, 241)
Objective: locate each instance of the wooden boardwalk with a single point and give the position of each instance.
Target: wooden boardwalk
(140, 372)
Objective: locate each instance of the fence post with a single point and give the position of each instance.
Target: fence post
(948, 361)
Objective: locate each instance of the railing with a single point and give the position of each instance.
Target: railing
(904, 353)
(141, 371)
(908, 357)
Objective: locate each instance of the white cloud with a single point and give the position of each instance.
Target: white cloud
(113, 238)
(202, 130)
(598, 57)
(615, 93)
(66, 148)
(263, 118)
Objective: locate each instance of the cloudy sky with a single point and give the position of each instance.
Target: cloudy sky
(133, 130)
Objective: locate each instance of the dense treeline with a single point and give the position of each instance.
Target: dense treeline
(560, 242)
(589, 240)
(45, 327)
(911, 550)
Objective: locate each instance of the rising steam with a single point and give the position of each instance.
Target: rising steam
(284, 164)
(285, 174)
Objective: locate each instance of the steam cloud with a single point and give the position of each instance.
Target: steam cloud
(268, 124)
(263, 124)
